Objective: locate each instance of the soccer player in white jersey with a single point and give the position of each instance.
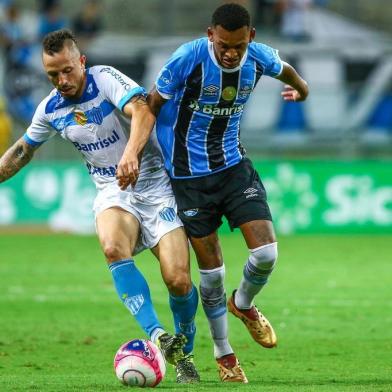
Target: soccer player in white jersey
(92, 109)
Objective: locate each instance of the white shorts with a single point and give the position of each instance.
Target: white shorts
(151, 202)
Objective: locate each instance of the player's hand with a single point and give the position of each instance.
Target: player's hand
(127, 171)
(291, 94)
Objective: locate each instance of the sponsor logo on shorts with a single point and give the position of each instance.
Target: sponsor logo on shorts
(109, 171)
(134, 303)
(192, 212)
(250, 192)
(168, 214)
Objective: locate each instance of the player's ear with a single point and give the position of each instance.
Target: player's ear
(83, 60)
(252, 34)
(210, 34)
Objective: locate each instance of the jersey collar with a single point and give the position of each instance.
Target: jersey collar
(215, 61)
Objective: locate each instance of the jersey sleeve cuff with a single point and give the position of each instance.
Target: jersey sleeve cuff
(30, 141)
(164, 95)
(135, 91)
(280, 69)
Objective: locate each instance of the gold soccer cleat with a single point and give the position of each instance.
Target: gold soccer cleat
(258, 325)
(230, 369)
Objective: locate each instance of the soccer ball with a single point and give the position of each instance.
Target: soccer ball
(139, 363)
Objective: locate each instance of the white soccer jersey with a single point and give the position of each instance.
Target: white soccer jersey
(95, 124)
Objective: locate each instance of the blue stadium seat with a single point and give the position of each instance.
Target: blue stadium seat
(292, 117)
(381, 118)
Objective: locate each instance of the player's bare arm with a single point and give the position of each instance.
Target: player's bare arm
(295, 89)
(155, 101)
(17, 156)
(141, 126)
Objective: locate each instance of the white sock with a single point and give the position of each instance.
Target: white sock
(257, 270)
(213, 299)
(156, 333)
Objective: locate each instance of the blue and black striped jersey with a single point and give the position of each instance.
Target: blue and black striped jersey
(199, 127)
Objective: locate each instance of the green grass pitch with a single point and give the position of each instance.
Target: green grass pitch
(329, 299)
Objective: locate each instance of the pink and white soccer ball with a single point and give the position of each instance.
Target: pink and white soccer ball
(139, 363)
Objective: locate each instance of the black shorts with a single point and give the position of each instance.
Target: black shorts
(236, 193)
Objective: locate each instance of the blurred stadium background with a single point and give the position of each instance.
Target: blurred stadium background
(326, 162)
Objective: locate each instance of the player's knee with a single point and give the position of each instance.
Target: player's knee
(179, 284)
(113, 251)
(212, 278)
(265, 256)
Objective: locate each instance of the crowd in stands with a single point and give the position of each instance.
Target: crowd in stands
(20, 49)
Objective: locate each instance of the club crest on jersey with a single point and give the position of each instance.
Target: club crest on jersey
(229, 93)
(210, 90)
(96, 115)
(80, 117)
(168, 214)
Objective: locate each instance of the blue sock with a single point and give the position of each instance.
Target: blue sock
(134, 292)
(184, 310)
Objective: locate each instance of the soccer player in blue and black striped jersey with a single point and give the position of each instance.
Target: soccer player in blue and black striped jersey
(200, 95)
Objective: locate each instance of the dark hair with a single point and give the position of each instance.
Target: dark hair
(231, 17)
(54, 42)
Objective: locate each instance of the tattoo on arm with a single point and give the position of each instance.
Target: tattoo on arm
(14, 159)
(140, 100)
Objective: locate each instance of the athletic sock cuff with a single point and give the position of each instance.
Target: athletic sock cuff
(183, 298)
(119, 263)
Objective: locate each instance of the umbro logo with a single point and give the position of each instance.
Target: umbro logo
(250, 192)
(211, 90)
(191, 212)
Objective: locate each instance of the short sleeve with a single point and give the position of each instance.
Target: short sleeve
(117, 88)
(174, 73)
(40, 129)
(269, 59)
